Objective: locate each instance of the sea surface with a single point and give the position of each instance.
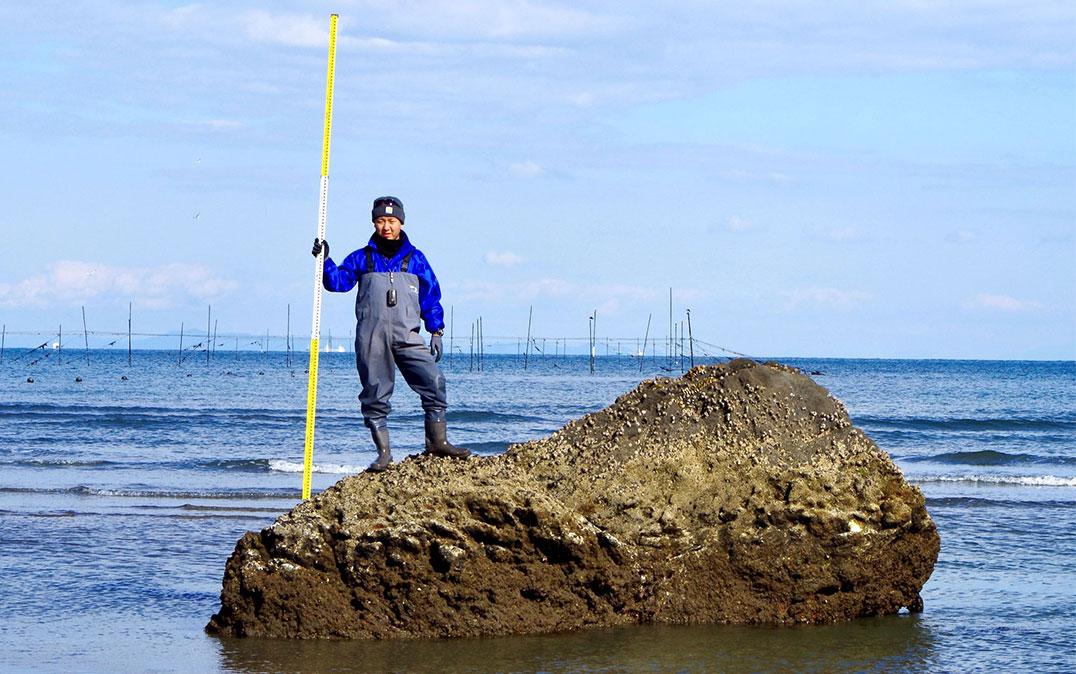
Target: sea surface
(122, 495)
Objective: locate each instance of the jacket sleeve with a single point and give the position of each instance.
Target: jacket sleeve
(429, 294)
(342, 278)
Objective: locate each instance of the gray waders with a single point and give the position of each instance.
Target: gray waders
(387, 337)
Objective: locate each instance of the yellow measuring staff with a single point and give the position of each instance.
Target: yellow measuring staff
(315, 330)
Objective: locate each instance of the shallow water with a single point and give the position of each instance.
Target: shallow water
(121, 500)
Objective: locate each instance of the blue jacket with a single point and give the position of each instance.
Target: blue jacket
(342, 278)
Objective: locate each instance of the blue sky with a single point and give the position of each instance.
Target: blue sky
(869, 179)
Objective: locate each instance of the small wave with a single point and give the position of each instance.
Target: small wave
(234, 465)
(975, 502)
(143, 418)
(1022, 480)
(1063, 422)
(46, 514)
(990, 457)
(220, 508)
(135, 492)
(473, 417)
(488, 448)
(59, 463)
(483, 416)
(241, 465)
(282, 466)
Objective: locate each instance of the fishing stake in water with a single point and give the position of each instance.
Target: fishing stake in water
(315, 330)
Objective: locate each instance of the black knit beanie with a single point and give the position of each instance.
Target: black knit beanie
(387, 206)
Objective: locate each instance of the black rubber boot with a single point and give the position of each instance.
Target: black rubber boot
(384, 452)
(437, 441)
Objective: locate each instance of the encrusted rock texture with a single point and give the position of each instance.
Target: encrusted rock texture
(738, 493)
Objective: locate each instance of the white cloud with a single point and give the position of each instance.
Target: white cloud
(737, 224)
(831, 298)
(447, 49)
(469, 19)
(293, 30)
(311, 31)
(771, 177)
(219, 124)
(499, 258)
(1001, 303)
(526, 169)
(842, 233)
(961, 236)
(184, 16)
(610, 295)
(75, 282)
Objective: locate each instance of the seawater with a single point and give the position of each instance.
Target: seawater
(121, 499)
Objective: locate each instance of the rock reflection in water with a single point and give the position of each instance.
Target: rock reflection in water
(890, 644)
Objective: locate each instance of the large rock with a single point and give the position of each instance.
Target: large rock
(738, 493)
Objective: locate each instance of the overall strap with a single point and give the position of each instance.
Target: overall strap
(406, 261)
(369, 260)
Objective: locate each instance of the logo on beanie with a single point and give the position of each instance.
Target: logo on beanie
(388, 210)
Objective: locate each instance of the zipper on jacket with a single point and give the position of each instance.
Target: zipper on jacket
(390, 296)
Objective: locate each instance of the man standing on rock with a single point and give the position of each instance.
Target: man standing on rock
(397, 288)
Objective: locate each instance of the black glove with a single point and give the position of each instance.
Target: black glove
(435, 347)
(318, 245)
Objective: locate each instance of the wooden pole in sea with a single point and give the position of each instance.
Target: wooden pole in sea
(60, 345)
(85, 335)
(208, 324)
(690, 339)
(129, 314)
(470, 361)
(681, 346)
(646, 336)
(527, 352)
(590, 340)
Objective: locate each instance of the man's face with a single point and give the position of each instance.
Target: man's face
(388, 227)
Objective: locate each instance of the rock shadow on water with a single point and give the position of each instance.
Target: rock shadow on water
(736, 494)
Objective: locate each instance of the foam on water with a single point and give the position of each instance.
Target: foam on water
(1021, 480)
(284, 466)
